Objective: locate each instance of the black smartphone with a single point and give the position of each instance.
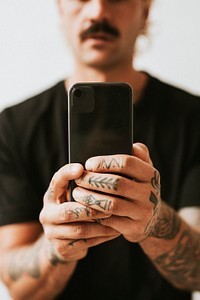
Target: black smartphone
(100, 120)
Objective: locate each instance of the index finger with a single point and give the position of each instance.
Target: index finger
(126, 165)
(60, 182)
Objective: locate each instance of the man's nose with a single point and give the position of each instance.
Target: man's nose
(98, 9)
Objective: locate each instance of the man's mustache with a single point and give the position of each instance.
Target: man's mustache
(103, 27)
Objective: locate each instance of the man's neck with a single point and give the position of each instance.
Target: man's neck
(137, 80)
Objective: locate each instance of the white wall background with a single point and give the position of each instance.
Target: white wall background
(34, 56)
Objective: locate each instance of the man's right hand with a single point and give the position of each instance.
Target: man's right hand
(70, 227)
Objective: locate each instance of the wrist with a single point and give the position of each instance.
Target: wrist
(53, 257)
(164, 232)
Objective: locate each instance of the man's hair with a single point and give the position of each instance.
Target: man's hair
(144, 38)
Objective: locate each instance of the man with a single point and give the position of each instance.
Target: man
(139, 247)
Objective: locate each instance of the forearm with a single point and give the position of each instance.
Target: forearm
(174, 248)
(34, 272)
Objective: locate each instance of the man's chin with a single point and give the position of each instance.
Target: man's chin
(102, 42)
(102, 63)
(99, 58)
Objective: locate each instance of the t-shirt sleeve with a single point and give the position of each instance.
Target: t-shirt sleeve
(18, 201)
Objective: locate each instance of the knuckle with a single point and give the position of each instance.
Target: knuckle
(48, 232)
(107, 230)
(90, 212)
(149, 214)
(86, 211)
(69, 215)
(118, 182)
(121, 185)
(82, 254)
(80, 231)
(55, 178)
(144, 148)
(138, 231)
(58, 176)
(107, 222)
(60, 247)
(77, 255)
(45, 198)
(126, 161)
(42, 216)
(65, 214)
(113, 207)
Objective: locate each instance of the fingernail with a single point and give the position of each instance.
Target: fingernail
(89, 165)
(74, 168)
(76, 193)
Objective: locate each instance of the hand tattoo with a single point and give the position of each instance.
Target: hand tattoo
(76, 241)
(90, 200)
(77, 212)
(166, 226)
(50, 194)
(111, 164)
(155, 199)
(104, 182)
(155, 181)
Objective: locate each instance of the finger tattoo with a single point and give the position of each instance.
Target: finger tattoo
(72, 243)
(111, 164)
(77, 212)
(50, 194)
(104, 182)
(92, 201)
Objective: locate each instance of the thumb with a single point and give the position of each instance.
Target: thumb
(141, 151)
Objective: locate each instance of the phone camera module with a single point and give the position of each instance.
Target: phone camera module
(78, 93)
(83, 99)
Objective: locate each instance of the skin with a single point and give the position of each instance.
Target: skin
(104, 56)
(33, 255)
(110, 50)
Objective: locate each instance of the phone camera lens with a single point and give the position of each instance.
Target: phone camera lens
(78, 93)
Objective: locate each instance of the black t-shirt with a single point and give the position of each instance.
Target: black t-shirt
(33, 145)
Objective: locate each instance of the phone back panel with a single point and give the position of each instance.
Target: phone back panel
(100, 120)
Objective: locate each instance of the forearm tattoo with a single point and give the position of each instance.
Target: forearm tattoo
(25, 262)
(166, 226)
(182, 264)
